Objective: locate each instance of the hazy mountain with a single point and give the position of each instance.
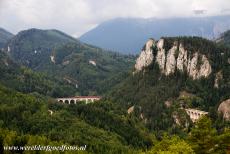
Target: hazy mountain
(224, 38)
(87, 67)
(4, 37)
(128, 34)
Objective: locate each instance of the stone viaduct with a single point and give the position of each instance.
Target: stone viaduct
(76, 99)
(195, 114)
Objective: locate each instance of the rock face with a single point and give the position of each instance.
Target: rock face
(161, 55)
(219, 76)
(224, 109)
(171, 61)
(146, 56)
(176, 58)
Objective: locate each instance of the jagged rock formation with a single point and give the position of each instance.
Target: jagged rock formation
(146, 56)
(224, 109)
(176, 58)
(219, 76)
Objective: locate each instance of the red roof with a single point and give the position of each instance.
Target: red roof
(87, 97)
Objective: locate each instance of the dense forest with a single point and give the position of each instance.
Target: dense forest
(30, 115)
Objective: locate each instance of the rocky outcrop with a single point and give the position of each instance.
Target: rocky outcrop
(205, 68)
(219, 76)
(171, 60)
(161, 55)
(52, 58)
(182, 59)
(176, 58)
(92, 62)
(224, 109)
(130, 110)
(146, 56)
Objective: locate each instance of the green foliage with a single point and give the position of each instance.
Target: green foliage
(103, 127)
(27, 81)
(204, 138)
(171, 145)
(34, 48)
(72, 61)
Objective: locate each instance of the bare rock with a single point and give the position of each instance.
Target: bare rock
(52, 59)
(224, 109)
(176, 59)
(219, 76)
(205, 68)
(171, 61)
(92, 62)
(146, 56)
(192, 63)
(130, 110)
(161, 55)
(182, 59)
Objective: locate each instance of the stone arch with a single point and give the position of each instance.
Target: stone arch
(61, 101)
(72, 101)
(66, 101)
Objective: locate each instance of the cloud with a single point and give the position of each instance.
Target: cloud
(78, 16)
(197, 12)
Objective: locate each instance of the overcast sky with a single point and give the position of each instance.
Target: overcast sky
(76, 17)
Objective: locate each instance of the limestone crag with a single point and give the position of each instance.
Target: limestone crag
(146, 56)
(224, 109)
(218, 78)
(161, 54)
(176, 58)
(182, 59)
(171, 61)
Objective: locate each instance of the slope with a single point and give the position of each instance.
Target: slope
(26, 80)
(4, 37)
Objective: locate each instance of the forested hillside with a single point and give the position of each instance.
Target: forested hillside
(87, 67)
(26, 80)
(103, 127)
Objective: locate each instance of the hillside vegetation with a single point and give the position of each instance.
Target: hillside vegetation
(87, 67)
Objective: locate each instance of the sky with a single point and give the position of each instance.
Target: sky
(75, 17)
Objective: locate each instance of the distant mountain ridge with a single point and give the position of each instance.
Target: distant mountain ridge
(224, 38)
(4, 37)
(127, 35)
